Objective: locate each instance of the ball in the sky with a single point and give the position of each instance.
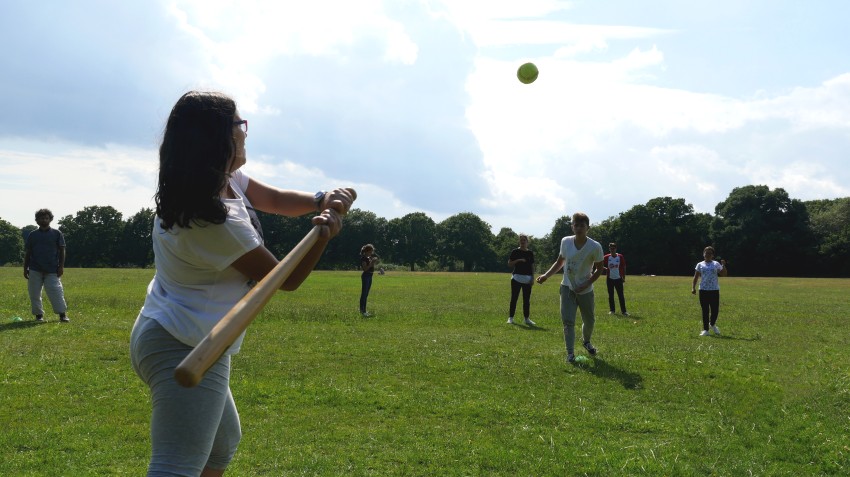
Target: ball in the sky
(527, 73)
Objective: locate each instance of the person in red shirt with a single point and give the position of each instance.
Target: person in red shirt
(615, 273)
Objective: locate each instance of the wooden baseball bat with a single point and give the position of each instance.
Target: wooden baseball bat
(193, 367)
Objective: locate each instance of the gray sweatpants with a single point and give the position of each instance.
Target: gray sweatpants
(191, 428)
(570, 301)
(51, 283)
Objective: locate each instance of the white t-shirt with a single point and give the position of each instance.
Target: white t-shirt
(708, 273)
(613, 266)
(578, 264)
(194, 285)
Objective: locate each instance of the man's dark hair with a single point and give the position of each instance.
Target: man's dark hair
(581, 217)
(40, 212)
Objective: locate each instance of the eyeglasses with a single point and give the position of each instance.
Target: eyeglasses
(243, 125)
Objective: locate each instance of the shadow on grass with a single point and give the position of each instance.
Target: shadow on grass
(531, 327)
(601, 369)
(619, 316)
(19, 324)
(757, 337)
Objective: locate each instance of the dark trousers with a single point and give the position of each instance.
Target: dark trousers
(615, 284)
(526, 298)
(709, 301)
(365, 286)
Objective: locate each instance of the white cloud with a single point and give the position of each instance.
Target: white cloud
(69, 178)
(417, 104)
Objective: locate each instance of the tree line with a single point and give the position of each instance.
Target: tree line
(760, 232)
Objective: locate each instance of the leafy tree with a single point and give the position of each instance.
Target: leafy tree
(11, 243)
(413, 238)
(281, 234)
(764, 233)
(359, 228)
(466, 238)
(606, 232)
(830, 221)
(26, 231)
(504, 243)
(551, 244)
(136, 247)
(92, 237)
(661, 236)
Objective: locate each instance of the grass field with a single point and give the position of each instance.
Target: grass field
(436, 384)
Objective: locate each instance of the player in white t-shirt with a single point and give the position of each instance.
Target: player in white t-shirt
(208, 252)
(582, 257)
(706, 273)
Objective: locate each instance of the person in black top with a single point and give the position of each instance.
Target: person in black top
(522, 262)
(368, 259)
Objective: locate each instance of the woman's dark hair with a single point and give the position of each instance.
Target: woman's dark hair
(196, 148)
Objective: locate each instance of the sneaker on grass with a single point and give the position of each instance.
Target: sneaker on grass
(705, 333)
(590, 349)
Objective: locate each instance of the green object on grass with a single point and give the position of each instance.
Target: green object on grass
(17, 319)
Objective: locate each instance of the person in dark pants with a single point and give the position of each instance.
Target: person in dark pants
(522, 262)
(615, 278)
(368, 259)
(707, 273)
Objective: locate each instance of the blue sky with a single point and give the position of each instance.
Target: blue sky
(416, 103)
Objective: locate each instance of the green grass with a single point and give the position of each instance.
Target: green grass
(436, 384)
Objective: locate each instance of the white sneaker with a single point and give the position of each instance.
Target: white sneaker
(716, 330)
(510, 320)
(705, 333)
(531, 323)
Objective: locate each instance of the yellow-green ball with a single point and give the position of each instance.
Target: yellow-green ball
(527, 73)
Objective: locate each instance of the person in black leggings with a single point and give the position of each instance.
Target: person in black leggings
(522, 262)
(707, 273)
(368, 259)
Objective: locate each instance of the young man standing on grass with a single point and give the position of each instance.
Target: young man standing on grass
(44, 264)
(584, 264)
(615, 278)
